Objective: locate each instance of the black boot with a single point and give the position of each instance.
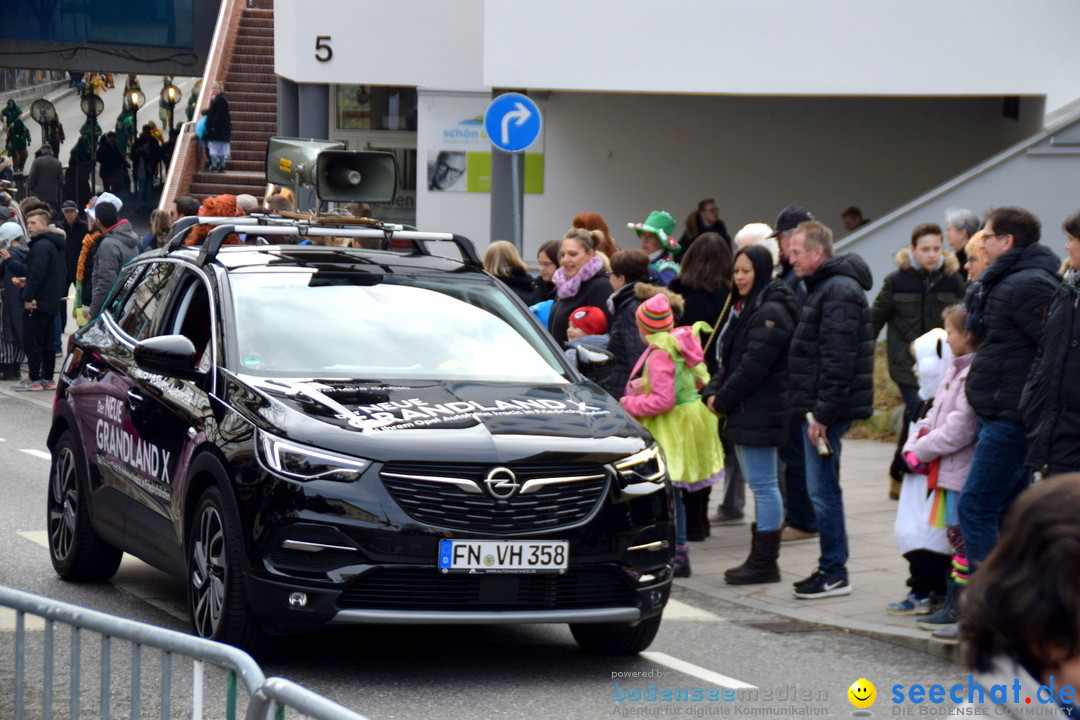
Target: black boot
(697, 527)
(761, 566)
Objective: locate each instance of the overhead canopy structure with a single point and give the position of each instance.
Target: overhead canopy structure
(163, 37)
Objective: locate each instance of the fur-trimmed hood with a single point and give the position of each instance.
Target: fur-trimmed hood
(902, 258)
(644, 290)
(51, 229)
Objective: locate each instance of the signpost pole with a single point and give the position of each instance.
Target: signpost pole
(507, 193)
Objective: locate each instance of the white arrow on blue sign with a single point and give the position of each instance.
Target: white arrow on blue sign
(512, 122)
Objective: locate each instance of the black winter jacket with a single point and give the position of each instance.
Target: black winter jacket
(595, 291)
(832, 353)
(522, 284)
(752, 386)
(1051, 401)
(624, 341)
(910, 303)
(1015, 294)
(46, 271)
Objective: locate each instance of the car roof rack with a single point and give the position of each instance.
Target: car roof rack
(293, 224)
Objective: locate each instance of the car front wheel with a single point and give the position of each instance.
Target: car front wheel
(616, 638)
(216, 598)
(77, 553)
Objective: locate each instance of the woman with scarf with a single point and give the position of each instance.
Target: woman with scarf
(580, 280)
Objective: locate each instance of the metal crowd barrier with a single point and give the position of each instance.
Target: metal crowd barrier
(34, 697)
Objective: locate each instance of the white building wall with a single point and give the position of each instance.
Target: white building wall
(766, 47)
(425, 43)
(786, 47)
(622, 155)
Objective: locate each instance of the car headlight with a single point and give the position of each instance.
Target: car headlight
(307, 463)
(644, 466)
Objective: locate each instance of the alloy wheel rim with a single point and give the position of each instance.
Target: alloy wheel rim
(209, 567)
(63, 505)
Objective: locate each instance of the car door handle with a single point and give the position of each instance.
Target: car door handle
(135, 397)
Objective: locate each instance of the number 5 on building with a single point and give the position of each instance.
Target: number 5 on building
(323, 51)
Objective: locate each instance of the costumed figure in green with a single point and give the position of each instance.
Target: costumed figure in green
(18, 139)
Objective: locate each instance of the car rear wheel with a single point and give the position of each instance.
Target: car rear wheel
(77, 553)
(617, 638)
(216, 598)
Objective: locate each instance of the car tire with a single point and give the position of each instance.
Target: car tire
(76, 551)
(616, 639)
(217, 601)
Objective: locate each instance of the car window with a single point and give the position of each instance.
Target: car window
(190, 316)
(122, 295)
(144, 304)
(304, 322)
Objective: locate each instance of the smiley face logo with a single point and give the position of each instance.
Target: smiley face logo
(862, 693)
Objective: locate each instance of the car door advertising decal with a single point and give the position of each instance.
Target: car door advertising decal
(144, 463)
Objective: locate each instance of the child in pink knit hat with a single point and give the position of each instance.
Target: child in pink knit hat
(663, 395)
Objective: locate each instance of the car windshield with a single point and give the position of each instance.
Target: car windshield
(350, 324)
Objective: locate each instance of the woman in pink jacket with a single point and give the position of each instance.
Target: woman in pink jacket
(663, 395)
(947, 436)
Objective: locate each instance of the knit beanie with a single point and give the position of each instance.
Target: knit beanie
(654, 315)
(590, 320)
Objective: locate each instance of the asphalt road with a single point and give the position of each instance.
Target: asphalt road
(768, 665)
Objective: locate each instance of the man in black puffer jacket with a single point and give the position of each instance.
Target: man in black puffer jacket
(1051, 399)
(832, 379)
(45, 271)
(1006, 309)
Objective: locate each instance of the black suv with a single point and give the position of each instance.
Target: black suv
(318, 435)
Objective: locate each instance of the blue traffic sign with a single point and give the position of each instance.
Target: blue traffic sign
(512, 122)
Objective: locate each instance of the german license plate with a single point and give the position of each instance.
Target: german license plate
(503, 555)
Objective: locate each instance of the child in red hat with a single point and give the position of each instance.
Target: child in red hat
(663, 394)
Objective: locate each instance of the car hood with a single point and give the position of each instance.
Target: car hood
(458, 420)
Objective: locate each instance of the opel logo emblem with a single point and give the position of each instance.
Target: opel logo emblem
(501, 483)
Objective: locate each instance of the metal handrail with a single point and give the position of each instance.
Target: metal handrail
(265, 695)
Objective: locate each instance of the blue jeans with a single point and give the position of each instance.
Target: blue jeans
(996, 477)
(800, 511)
(823, 484)
(759, 468)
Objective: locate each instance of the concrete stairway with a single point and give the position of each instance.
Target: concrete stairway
(251, 88)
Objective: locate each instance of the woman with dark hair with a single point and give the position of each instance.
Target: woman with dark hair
(1020, 620)
(750, 391)
(1050, 404)
(704, 282)
(630, 279)
(580, 280)
(547, 259)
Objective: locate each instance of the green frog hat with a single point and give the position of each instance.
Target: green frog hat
(660, 224)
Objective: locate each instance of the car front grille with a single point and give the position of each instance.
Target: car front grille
(429, 589)
(455, 496)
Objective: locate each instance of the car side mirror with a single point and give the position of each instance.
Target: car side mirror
(596, 364)
(169, 355)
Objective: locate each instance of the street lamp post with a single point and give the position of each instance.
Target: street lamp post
(92, 105)
(170, 95)
(44, 112)
(133, 100)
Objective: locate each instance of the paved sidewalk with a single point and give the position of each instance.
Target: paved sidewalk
(876, 569)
